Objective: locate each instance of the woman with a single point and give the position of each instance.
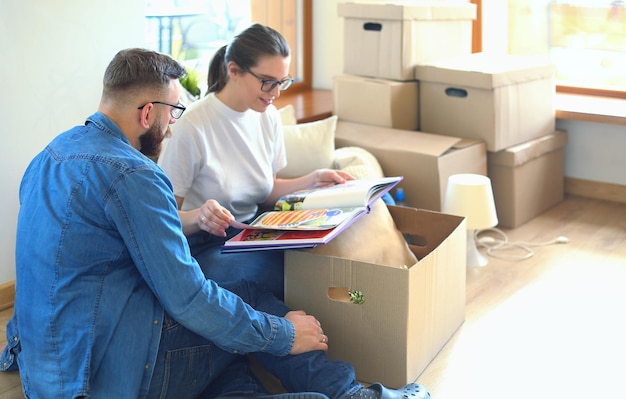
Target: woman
(225, 151)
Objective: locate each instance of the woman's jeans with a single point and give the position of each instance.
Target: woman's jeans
(265, 268)
(190, 366)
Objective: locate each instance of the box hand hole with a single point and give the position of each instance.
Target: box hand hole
(373, 26)
(343, 294)
(456, 92)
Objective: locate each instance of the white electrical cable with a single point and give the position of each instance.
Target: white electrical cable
(501, 242)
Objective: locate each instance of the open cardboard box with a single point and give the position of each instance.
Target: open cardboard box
(410, 311)
(425, 160)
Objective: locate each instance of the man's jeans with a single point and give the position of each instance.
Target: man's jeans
(189, 366)
(265, 268)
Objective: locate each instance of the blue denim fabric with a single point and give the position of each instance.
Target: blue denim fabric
(308, 372)
(100, 256)
(187, 363)
(190, 366)
(265, 268)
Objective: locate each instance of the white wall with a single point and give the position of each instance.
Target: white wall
(54, 54)
(595, 151)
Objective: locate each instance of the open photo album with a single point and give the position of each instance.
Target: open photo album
(310, 217)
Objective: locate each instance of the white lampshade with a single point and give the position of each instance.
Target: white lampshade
(470, 195)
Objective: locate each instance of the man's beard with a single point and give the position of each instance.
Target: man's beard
(150, 141)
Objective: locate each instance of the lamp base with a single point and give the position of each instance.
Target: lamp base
(474, 258)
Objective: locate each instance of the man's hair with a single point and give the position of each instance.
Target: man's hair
(135, 68)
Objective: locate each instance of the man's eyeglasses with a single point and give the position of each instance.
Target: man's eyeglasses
(269, 85)
(176, 111)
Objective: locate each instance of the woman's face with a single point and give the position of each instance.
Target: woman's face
(270, 68)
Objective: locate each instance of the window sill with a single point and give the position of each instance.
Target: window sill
(315, 104)
(591, 108)
(309, 105)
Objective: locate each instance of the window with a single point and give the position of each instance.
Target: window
(191, 31)
(586, 40)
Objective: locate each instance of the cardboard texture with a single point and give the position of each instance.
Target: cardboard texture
(527, 179)
(388, 40)
(409, 313)
(503, 100)
(378, 102)
(425, 160)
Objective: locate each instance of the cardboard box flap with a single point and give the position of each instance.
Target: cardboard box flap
(525, 152)
(394, 139)
(425, 230)
(485, 71)
(464, 143)
(425, 10)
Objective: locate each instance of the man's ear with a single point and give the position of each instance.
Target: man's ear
(144, 116)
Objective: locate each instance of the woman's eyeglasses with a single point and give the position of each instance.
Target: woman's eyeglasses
(176, 111)
(269, 85)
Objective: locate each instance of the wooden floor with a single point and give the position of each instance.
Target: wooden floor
(552, 326)
(10, 387)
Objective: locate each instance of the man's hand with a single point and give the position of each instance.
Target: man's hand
(309, 333)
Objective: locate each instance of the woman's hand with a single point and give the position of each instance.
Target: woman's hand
(319, 177)
(325, 176)
(214, 218)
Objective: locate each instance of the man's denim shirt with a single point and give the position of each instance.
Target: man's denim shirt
(100, 256)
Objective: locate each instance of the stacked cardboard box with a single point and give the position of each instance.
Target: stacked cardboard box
(502, 99)
(383, 43)
(425, 160)
(507, 101)
(527, 178)
(376, 102)
(387, 40)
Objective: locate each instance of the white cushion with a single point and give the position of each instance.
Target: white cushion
(357, 161)
(309, 146)
(288, 115)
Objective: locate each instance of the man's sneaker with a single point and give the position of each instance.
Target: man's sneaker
(294, 395)
(378, 391)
